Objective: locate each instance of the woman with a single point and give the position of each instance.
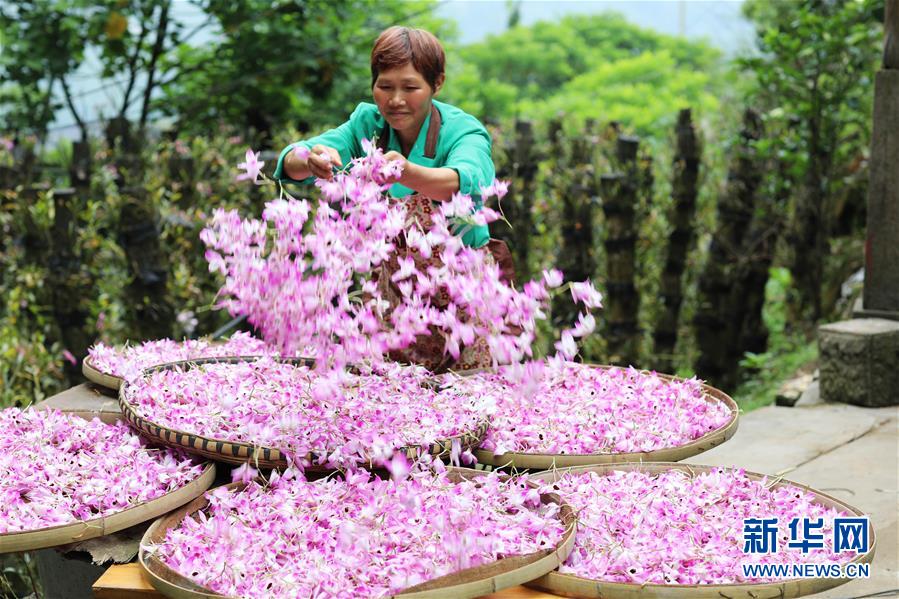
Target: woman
(443, 151)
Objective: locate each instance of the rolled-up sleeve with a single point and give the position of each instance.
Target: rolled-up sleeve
(471, 158)
(344, 139)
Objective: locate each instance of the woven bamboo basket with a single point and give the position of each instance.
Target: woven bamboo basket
(472, 582)
(233, 452)
(76, 532)
(568, 585)
(547, 461)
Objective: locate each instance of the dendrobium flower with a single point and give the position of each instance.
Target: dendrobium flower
(252, 166)
(676, 529)
(553, 277)
(60, 469)
(344, 418)
(297, 276)
(587, 294)
(571, 408)
(356, 537)
(127, 362)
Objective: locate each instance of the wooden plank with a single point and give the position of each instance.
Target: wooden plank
(123, 581)
(128, 580)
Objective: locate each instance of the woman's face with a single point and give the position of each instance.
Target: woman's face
(404, 97)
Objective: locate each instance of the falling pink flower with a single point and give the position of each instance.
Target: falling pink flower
(244, 473)
(296, 271)
(586, 294)
(586, 323)
(70, 357)
(252, 166)
(553, 277)
(497, 188)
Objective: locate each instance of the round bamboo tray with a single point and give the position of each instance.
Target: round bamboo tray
(104, 379)
(99, 377)
(76, 532)
(569, 585)
(472, 582)
(233, 452)
(548, 461)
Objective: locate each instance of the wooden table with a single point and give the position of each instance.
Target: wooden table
(128, 581)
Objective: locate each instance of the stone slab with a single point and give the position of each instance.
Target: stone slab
(863, 327)
(791, 391)
(84, 398)
(865, 474)
(774, 439)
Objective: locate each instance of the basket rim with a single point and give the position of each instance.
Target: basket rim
(120, 520)
(558, 554)
(693, 469)
(278, 456)
(95, 375)
(112, 381)
(710, 394)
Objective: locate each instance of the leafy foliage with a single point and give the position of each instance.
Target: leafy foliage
(814, 78)
(283, 62)
(597, 66)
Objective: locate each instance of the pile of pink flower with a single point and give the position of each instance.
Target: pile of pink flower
(359, 537)
(128, 362)
(59, 469)
(350, 416)
(571, 408)
(674, 528)
(303, 274)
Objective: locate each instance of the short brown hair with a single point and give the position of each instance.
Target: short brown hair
(398, 45)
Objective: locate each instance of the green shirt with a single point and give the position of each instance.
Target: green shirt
(463, 145)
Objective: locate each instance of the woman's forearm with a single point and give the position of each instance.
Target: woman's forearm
(295, 167)
(436, 183)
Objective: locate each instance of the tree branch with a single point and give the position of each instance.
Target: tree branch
(132, 68)
(158, 48)
(71, 105)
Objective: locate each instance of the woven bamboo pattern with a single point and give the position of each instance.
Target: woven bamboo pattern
(262, 457)
(546, 461)
(472, 582)
(568, 585)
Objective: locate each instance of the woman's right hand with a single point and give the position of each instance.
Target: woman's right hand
(321, 160)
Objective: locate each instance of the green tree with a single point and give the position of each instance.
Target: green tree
(814, 73)
(539, 70)
(644, 92)
(293, 62)
(46, 41)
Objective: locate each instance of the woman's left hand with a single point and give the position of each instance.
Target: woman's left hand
(394, 156)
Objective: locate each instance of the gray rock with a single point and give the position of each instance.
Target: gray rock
(859, 362)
